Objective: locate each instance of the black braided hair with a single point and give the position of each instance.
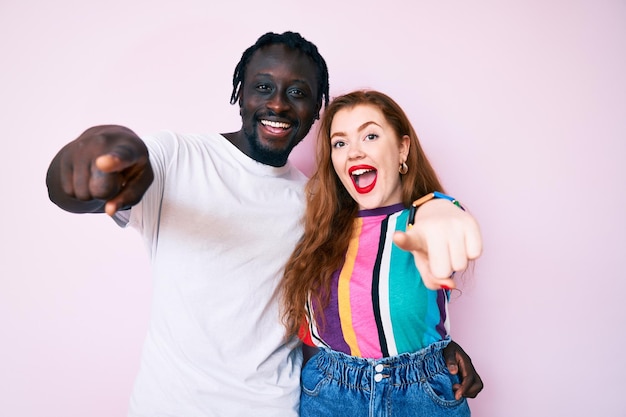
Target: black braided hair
(292, 40)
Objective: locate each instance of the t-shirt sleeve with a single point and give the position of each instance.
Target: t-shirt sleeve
(144, 216)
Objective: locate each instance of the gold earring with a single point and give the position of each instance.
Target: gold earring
(404, 168)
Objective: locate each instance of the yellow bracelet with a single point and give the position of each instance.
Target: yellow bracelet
(428, 197)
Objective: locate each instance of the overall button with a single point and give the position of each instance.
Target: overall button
(379, 367)
(378, 377)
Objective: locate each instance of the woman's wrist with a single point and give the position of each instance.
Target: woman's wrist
(428, 197)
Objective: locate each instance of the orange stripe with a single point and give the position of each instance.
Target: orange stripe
(343, 293)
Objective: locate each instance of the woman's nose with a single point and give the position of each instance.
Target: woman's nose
(354, 150)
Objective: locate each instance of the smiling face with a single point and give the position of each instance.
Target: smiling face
(278, 103)
(366, 153)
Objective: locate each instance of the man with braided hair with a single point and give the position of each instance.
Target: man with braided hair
(220, 214)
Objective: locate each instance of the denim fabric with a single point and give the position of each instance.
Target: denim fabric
(412, 384)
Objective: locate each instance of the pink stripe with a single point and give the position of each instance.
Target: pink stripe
(363, 320)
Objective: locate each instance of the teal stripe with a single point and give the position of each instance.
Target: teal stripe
(413, 307)
(404, 289)
(432, 317)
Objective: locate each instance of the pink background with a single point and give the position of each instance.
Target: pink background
(521, 105)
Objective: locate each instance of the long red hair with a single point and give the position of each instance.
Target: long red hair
(330, 211)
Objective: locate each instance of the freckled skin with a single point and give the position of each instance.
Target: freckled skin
(361, 137)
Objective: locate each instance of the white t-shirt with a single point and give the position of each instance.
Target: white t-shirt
(219, 227)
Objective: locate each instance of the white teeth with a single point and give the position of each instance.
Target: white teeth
(361, 171)
(275, 124)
